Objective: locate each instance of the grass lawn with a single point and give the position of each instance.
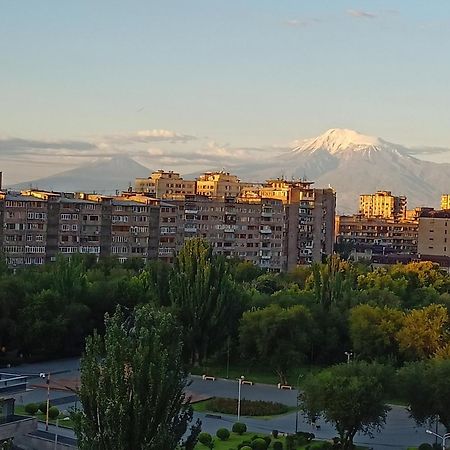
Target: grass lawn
(20, 411)
(255, 374)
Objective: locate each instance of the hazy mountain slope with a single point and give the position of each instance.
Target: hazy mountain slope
(104, 175)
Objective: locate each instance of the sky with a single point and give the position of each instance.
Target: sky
(168, 81)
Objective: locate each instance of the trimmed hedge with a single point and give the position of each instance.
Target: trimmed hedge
(205, 438)
(31, 408)
(248, 407)
(239, 428)
(53, 412)
(223, 434)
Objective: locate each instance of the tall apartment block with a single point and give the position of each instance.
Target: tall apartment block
(434, 235)
(382, 204)
(162, 184)
(39, 225)
(310, 216)
(445, 201)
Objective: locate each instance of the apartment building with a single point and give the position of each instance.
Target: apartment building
(434, 237)
(162, 184)
(218, 184)
(382, 204)
(310, 216)
(445, 201)
(372, 235)
(40, 225)
(24, 229)
(248, 228)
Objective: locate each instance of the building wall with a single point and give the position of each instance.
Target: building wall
(382, 204)
(434, 235)
(445, 201)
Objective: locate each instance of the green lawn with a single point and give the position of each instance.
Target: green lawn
(20, 411)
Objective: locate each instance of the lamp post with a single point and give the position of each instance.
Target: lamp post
(444, 437)
(298, 395)
(56, 432)
(47, 377)
(239, 397)
(349, 355)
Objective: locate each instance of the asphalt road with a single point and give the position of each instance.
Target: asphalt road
(400, 430)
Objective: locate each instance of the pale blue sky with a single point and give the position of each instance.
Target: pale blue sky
(239, 73)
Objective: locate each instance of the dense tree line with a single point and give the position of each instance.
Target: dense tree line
(311, 315)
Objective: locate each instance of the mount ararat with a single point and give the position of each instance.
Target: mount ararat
(350, 162)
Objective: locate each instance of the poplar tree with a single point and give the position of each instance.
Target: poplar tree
(132, 385)
(203, 294)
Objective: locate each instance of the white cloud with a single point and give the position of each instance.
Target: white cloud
(360, 14)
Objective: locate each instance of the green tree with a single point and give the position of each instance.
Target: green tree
(204, 297)
(278, 337)
(132, 385)
(350, 396)
(424, 332)
(373, 331)
(426, 388)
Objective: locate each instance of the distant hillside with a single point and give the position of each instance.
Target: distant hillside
(104, 175)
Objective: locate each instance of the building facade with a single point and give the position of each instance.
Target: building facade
(434, 237)
(382, 204)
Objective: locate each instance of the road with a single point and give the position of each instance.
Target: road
(400, 430)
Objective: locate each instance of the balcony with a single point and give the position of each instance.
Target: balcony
(190, 228)
(266, 230)
(191, 211)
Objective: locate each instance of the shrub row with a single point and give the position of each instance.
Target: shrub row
(248, 407)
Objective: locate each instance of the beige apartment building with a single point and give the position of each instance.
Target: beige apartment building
(377, 235)
(218, 184)
(162, 184)
(433, 234)
(382, 204)
(445, 201)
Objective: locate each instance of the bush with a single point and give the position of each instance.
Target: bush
(223, 434)
(425, 446)
(243, 444)
(259, 444)
(43, 407)
(275, 434)
(248, 407)
(239, 428)
(53, 413)
(277, 445)
(246, 447)
(268, 440)
(205, 438)
(290, 442)
(31, 408)
(304, 437)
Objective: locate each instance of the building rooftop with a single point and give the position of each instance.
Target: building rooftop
(436, 214)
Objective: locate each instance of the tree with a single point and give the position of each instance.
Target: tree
(277, 337)
(204, 297)
(424, 332)
(426, 388)
(373, 331)
(132, 385)
(350, 396)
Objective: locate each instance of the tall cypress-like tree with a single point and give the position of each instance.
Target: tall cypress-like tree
(132, 385)
(204, 296)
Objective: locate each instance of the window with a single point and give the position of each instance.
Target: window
(66, 216)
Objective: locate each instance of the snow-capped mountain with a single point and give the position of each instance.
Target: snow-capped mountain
(353, 163)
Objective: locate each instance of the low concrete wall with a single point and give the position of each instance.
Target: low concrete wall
(31, 442)
(17, 427)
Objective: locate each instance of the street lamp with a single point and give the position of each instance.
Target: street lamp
(46, 376)
(239, 397)
(298, 395)
(55, 446)
(349, 355)
(444, 437)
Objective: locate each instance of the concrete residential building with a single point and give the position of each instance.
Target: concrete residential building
(434, 235)
(382, 204)
(162, 184)
(218, 184)
(369, 236)
(445, 201)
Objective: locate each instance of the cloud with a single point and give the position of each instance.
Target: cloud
(301, 23)
(144, 136)
(360, 14)
(427, 150)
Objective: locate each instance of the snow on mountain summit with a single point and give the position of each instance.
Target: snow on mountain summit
(337, 140)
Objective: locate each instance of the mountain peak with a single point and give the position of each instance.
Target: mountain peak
(335, 140)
